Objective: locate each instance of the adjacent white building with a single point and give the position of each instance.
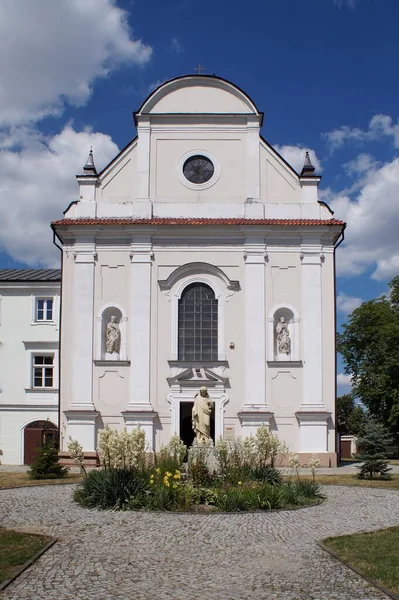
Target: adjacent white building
(199, 239)
(29, 334)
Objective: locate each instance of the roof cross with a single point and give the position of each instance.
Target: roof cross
(200, 69)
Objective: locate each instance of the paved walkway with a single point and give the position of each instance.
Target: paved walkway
(142, 556)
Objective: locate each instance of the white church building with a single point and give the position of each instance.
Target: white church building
(216, 261)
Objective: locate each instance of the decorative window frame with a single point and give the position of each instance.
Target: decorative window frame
(293, 328)
(42, 349)
(218, 281)
(35, 298)
(100, 352)
(198, 186)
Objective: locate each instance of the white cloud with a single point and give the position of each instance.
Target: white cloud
(379, 127)
(295, 156)
(52, 52)
(37, 183)
(345, 380)
(363, 163)
(373, 225)
(347, 304)
(176, 46)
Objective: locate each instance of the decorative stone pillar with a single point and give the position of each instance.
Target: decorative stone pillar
(255, 309)
(139, 410)
(81, 414)
(312, 333)
(82, 335)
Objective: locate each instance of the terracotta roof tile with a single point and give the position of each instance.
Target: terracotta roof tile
(196, 222)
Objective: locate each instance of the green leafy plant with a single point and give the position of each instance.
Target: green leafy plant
(112, 489)
(309, 489)
(171, 456)
(46, 464)
(265, 473)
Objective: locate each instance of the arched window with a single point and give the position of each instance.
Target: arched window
(198, 323)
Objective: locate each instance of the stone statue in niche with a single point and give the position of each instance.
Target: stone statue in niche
(113, 336)
(283, 337)
(201, 416)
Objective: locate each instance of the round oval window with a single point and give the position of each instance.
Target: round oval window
(198, 169)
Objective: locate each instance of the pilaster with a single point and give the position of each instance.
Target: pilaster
(143, 158)
(312, 330)
(253, 159)
(82, 336)
(141, 256)
(255, 309)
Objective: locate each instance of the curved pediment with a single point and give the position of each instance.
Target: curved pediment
(196, 94)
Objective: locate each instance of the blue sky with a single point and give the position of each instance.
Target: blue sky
(323, 71)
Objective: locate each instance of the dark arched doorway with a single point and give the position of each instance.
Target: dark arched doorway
(34, 434)
(186, 427)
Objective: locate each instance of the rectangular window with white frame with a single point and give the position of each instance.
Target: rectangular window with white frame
(44, 310)
(42, 370)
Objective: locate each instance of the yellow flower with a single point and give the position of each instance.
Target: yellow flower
(177, 476)
(240, 483)
(168, 474)
(151, 482)
(177, 472)
(158, 470)
(167, 483)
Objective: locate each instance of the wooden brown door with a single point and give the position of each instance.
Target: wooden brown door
(345, 449)
(34, 434)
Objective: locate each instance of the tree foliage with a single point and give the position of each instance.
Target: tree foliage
(350, 416)
(373, 441)
(369, 345)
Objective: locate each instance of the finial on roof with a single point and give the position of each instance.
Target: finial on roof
(308, 168)
(89, 168)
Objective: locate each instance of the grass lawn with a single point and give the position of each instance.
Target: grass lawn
(10, 480)
(391, 484)
(15, 549)
(375, 554)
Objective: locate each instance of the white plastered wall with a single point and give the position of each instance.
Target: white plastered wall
(20, 338)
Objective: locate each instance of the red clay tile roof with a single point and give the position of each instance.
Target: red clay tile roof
(196, 222)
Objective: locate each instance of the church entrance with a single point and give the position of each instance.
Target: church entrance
(34, 434)
(186, 429)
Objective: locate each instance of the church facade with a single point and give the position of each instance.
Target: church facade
(199, 257)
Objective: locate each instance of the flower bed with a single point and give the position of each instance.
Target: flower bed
(230, 476)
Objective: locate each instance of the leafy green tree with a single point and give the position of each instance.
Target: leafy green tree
(369, 345)
(356, 420)
(350, 416)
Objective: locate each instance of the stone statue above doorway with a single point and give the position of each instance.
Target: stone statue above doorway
(201, 416)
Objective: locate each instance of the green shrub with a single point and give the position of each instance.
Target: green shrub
(113, 489)
(233, 499)
(265, 473)
(270, 497)
(309, 489)
(291, 494)
(375, 468)
(171, 456)
(46, 465)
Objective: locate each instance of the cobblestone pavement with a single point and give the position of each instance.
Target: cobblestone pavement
(143, 556)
